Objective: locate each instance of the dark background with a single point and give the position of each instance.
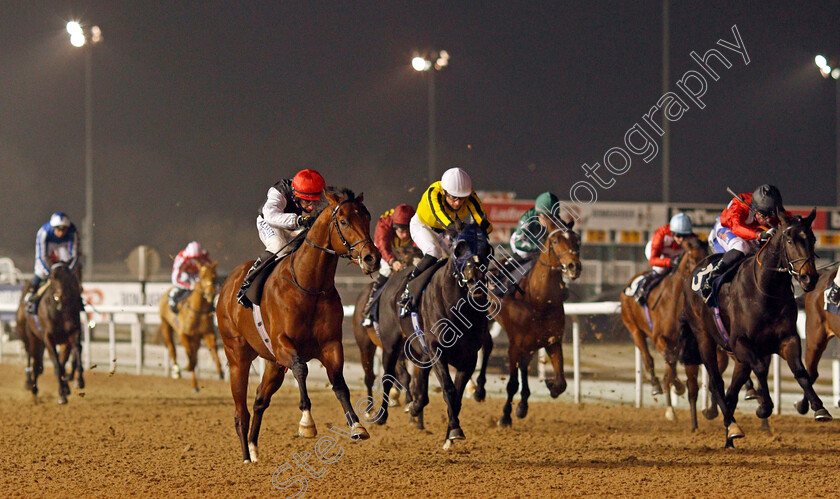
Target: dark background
(199, 106)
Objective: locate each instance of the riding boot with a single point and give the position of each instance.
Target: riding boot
(31, 301)
(729, 259)
(367, 321)
(255, 269)
(406, 301)
(650, 281)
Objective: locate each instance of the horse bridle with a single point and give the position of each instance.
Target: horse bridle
(350, 247)
(562, 267)
(790, 269)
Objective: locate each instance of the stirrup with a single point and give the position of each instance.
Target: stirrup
(404, 303)
(240, 295)
(367, 322)
(834, 294)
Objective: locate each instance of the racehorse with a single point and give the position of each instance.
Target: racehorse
(367, 339)
(536, 319)
(57, 322)
(666, 306)
(193, 322)
(758, 310)
(301, 314)
(820, 326)
(453, 324)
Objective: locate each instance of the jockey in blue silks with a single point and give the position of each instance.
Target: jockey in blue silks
(56, 241)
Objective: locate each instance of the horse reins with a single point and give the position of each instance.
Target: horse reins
(554, 255)
(789, 269)
(348, 254)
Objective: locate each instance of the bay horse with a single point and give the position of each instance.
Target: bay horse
(536, 319)
(367, 339)
(758, 310)
(302, 315)
(820, 326)
(192, 323)
(57, 322)
(453, 324)
(665, 309)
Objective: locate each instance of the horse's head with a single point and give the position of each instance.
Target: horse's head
(470, 255)
(694, 250)
(207, 280)
(64, 287)
(351, 237)
(562, 246)
(795, 240)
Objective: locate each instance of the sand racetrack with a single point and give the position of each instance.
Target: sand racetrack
(150, 436)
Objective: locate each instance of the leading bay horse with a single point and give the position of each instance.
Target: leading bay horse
(57, 322)
(537, 319)
(453, 324)
(192, 323)
(301, 314)
(758, 310)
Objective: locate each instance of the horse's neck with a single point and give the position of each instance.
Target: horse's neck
(319, 265)
(544, 283)
(769, 280)
(196, 297)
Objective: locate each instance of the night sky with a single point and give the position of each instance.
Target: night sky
(200, 106)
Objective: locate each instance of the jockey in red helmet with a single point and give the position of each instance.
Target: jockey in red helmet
(391, 231)
(286, 213)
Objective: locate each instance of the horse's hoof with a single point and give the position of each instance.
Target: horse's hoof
(555, 389)
(802, 406)
(480, 394)
(307, 431)
(521, 410)
(710, 413)
(656, 388)
(63, 400)
(734, 431)
(221, 375)
(751, 394)
(407, 407)
(252, 451)
(447, 444)
(176, 373)
(822, 415)
(505, 422)
(394, 396)
(80, 384)
(764, 411)
(679, 387)
(380, 420)
(670, 415)
(360, 432)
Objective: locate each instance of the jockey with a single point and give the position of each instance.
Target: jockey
(531, 225)
(286, 213)
(663, 252)
(391, 232)
(741, 228)
(185, 272)
(443, 207)
(56, 241)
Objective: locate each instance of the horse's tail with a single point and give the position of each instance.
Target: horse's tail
(689, 352)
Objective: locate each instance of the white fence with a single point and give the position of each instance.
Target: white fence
(136, 316)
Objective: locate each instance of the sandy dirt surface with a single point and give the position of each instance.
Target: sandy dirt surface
(150, 436)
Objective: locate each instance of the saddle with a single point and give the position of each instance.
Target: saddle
(254, 293)
(511, 273)
(701, 274)
(418, 285)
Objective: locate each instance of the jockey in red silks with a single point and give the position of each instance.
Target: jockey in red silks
(391, 232)
(663, 252)
(286, 213)
(742, 227)
(185, 272)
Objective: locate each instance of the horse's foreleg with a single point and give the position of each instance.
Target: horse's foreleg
(790, 350)
(271, 381)
(693, 390)
(708, 353)
(367, 350)
(390, 356)
(63, 387)
(77, 361)
(166, 332)
(522, 407)
(191, 344)
(558, 385)
(512, 385)
(332, 356)
(404, 378)
(210, 341)
(453, 403)
(421, 396)
(481, 381)
(814, 348)
(740, 374)
(306, 427)
(640, 339)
